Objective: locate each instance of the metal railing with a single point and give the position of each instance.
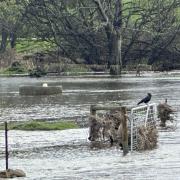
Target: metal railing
(141, 116)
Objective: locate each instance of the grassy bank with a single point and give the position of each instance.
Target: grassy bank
(15, 68)
(40, 126)
(9, 72)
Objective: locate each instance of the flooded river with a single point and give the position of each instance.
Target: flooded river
(67, 154)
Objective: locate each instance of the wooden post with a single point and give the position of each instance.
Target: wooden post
(92, 110)
(6, 145)
(124, 132)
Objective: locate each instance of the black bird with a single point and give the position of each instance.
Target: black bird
(146, 99)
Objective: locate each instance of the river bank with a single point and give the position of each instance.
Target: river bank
(174, 73)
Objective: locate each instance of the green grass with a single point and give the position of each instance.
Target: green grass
(10, 72)
(33, 45)
(40, 126)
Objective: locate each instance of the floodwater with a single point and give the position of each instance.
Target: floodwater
(67, 154)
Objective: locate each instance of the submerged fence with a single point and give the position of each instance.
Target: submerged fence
(134, 119)
(123, 110)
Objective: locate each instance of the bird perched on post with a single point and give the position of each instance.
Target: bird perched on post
(146, 99)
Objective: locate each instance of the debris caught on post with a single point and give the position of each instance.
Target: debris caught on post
(139, 133)
(164, 113)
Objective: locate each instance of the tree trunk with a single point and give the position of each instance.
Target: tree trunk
(12, 39)
(115, 69)
(116, 66)
(4, 35)
(110, 38)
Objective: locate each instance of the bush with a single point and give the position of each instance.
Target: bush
(37, 72)
(16, 68)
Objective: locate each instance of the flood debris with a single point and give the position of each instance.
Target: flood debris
(109, 128)
(10, 173)
(147, 138)
(164, 113)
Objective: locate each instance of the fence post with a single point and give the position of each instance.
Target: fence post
(124, 131)
(147, 113)
(132, 129)
(92, 110)
(6, 145)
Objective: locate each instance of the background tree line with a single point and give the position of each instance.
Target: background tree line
(112, 32)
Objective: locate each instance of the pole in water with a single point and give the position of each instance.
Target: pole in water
(6, 144)
(124, 131)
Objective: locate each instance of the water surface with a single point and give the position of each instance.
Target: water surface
(67, 154)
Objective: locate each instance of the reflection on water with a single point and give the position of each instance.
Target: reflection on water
(67, 154)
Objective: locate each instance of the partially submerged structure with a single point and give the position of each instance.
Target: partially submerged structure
(107, 128)
(40, 90)
(165, 113)
(132, 129)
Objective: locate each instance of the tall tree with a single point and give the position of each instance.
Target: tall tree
(113, 27)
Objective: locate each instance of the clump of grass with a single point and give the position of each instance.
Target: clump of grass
(37, 72)
(10, 71)
(15, 68)
(40, 126)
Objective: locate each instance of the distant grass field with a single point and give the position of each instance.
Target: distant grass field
(40, 126)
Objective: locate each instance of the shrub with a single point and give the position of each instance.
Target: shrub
(37, 72)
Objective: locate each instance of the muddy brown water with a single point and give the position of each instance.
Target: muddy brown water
(67, 154)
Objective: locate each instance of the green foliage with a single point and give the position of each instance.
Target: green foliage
(37, 72)
(39, 125)
(10, 12)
